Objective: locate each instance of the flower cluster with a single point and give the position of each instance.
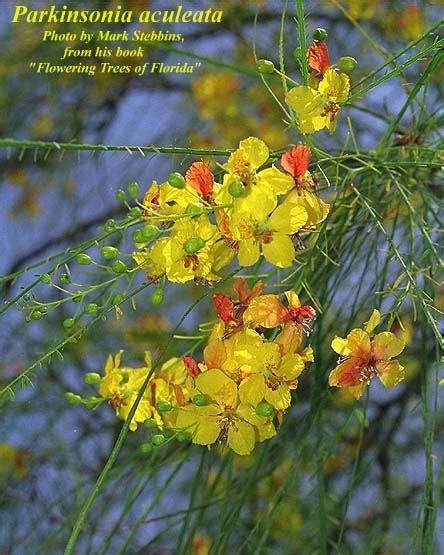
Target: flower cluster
(241, 387)
(364, 355)
(256, 209)
(318, 103)
(252, 361)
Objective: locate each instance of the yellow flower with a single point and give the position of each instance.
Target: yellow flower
(317, 210)
(365, 355)
(317, 109)
(200, 545)
(208, 90)
(260, 187)
(172, 255)
(271, 235)
(13, 462)
(362, 8)
(263, 374)
(225, 418)
(273, 382)
(121, 386)
(269, 312)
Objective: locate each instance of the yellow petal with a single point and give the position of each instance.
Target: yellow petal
(252, 389)
(200, 422)
(109, 365)
(340, 346)
(293, 299)
(218, 386)
(317, 210)
(241, 437)
(289, 339)
(248, 253)
(247, 352)
(264, 426)
(259, 200)
(358, 342)
(256, 150)
(280, 251)
(291, 367)
(308, 105)
(335, 86)
(391, 373)
(307, 354)
(387, 345)
(279, 182)
(214, 353)
(373, 322)
(305, 101)
(287, 218)
(266, 311)
(280, 397)
(357, 390)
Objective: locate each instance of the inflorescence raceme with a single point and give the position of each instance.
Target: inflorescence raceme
(257, 349)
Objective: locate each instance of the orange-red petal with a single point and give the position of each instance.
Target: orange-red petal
(296, 160)
(318, 58)
(244, 293)
(224, 307)
(200, 177)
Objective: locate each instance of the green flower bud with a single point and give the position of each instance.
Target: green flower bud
(176, 180)
(149, 232)
(150, 423)
(36, 315)
(65, 279)
(109, 253)
(135, 212)
(110, 225)
(164, 406)
(137, 236)
(45, 278)
(43, 309)
(157, 296)
(264, 409)
(92, 402)
(68, 323)
(91, 308)
(201, 400)
(83, 259)
(72, 398)
(26, 297)
(146, 448)
(92, 378)
(182, 436)
(194, 210)
(346, 64)
(236, 189)
(77, 298)
(133, 189)
(120, 195)
(119, 267)
(117, 299)
(320, 34)
(194, 245)
(265, 66)
(158, 439)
